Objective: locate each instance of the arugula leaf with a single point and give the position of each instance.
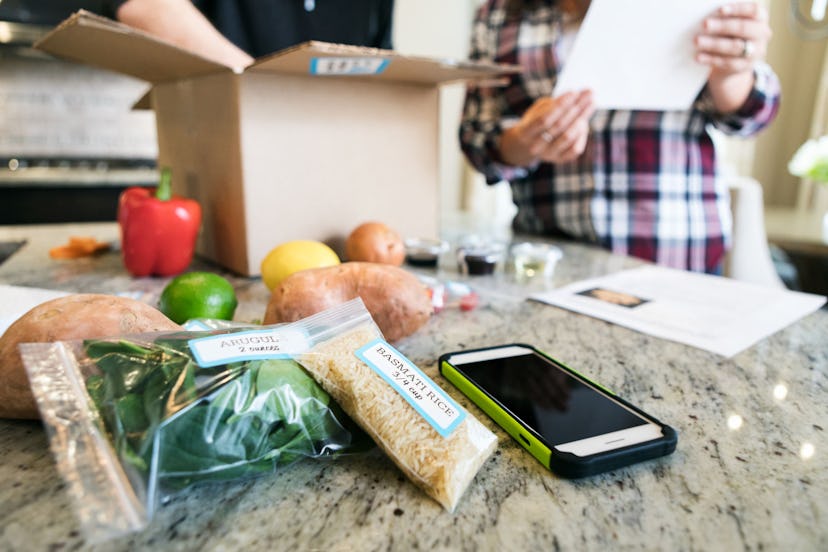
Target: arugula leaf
(182, 424)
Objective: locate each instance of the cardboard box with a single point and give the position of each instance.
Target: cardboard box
(306, 143)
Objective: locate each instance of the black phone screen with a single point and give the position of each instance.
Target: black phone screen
(558, 406)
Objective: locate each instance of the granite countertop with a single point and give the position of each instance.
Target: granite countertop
(751, 485)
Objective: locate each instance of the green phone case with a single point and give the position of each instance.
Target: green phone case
(563, 463)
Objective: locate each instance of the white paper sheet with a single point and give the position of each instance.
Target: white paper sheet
(638, 54)
(15, 301)
(709, 312)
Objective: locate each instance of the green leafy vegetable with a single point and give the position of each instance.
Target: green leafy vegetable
(178, 423)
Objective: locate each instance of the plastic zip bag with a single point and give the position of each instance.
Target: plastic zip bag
(207, 324)
(115, 461)
(134, 419)
(436, 443)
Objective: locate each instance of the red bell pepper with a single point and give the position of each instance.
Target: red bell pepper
(158, 232)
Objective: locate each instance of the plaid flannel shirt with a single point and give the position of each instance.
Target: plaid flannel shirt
(646, 185)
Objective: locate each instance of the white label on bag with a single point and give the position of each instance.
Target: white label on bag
(220, 349)
(419, 390)
(348, 65)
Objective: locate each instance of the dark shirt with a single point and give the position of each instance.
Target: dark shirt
(261, 27)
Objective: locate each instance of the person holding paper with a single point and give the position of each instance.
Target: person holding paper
(640, 183)
(234, 32)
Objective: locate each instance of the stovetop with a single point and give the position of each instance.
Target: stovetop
(76, 172)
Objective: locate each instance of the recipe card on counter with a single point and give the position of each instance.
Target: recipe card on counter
(717, 314)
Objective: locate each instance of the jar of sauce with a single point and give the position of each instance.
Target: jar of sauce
(424, 252)
(479, 259)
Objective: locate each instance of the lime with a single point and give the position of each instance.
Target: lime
(293, 256)
(198, 295)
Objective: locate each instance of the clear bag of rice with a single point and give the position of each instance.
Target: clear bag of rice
(435, 442)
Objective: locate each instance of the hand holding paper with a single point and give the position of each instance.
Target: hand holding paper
(638, 54)
(731, 41)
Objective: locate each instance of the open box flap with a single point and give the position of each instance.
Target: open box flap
(144, 102)
(94, 40)
(326, 59)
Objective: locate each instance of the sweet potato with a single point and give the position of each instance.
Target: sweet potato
(66, 318)
(397, 300)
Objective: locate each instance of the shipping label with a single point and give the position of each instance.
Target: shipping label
(348, 65)
(427, 398)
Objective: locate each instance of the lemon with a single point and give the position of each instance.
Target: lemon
(198, 295)
(293, 256)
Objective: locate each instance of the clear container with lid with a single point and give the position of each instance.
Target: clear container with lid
(476, 257)
(424, 252)
(530, 259)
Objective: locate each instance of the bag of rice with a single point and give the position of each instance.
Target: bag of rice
(437, 444)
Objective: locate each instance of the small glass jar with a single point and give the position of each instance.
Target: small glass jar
(424, 252)
(479, 259)
(534, 259)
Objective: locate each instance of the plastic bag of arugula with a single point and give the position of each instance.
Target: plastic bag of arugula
(134, 419)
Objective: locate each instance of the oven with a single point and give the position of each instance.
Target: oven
(70, 141)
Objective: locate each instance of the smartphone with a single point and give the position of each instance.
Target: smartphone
(571, 425)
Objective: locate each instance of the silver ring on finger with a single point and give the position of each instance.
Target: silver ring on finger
(547, 137)
(747, 49)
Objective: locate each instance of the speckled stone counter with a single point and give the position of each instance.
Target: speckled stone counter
(757, 486)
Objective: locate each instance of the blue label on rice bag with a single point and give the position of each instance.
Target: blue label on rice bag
(427, 398)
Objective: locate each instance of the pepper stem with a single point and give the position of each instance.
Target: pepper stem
(164, 190)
